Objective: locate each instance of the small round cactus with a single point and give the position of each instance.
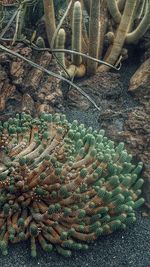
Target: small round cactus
(62, 185)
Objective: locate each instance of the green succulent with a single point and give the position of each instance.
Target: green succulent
(64, 185)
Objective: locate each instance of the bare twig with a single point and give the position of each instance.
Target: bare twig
(27, 42)
(8, 24)
(20, 17)
(57, 76)
(86, 56)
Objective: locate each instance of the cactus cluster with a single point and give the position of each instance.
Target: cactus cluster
(114, 22)
(62, 185)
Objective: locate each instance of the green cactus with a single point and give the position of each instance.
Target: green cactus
(125, 33)
(143, 26)
(77, 33)
(40, 42)
(94, 36)
(113, 19)
(60, 44)
(114, 10)
(115, 49)
(62, 184)
(121, 4)
(50, 22)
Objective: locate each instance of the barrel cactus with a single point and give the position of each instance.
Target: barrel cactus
(62, 185)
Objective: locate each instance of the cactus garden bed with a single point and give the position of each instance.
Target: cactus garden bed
(74, 154)
(129, 252)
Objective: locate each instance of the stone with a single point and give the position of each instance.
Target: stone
(140, 82)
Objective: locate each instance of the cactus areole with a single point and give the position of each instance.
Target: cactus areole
(62, 185)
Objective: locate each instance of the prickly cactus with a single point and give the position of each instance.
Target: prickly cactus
(62, 184)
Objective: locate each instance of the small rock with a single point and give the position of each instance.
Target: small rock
(140, 81)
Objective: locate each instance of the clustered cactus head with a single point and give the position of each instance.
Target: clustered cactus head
(62, 185)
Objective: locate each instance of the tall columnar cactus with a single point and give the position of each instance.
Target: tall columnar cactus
(49, 19)
(103, 27)
(124, 33)
(114, 10)
(75, 68)
(20, 20)
(89, 38)
(60, 44)
(94, 35)
(77, 33)
(62, 184)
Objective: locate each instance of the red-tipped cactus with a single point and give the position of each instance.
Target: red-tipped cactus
(62, 184)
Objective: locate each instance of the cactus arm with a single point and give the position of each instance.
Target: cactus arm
(134, 36)
(94, 33)
(121, 4)
(142, 9)
(134, 16)
(49, 19)
(114, 10)
(77, 32)
(115, 50)
(60, 44)
(19, 21)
